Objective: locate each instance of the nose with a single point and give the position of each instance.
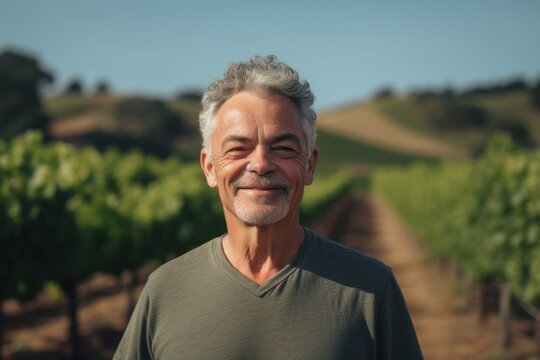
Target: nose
(260, 161)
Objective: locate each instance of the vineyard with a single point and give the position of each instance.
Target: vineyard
(67, 214)
(483, 215)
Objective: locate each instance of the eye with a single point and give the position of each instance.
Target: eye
(283, 150)
(237, 151)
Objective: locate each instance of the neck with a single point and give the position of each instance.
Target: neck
(259, 252)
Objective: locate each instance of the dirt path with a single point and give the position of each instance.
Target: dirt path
(366, 123)
(446, 324)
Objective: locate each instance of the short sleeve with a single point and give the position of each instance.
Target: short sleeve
(395, 334)
(135, 343)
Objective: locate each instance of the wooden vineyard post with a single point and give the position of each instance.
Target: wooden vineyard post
(70, 288)
(505, 314)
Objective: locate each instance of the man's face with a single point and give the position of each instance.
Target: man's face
(259, 162)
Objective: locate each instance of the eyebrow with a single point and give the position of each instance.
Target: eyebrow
(283, 137)
(234, 138)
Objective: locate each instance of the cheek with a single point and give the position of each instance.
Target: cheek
(229, 170)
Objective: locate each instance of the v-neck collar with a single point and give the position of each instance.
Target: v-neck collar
(237, 277)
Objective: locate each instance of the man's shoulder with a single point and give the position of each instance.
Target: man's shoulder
(346, 265)
(184, 265)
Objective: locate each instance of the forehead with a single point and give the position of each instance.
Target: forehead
(248, 112)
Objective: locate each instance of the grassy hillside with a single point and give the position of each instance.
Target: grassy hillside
(365, 122)
(155, 126)
(339, 152)
(509, 111)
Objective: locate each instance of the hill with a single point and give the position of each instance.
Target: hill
(152, 125)
(436, 124)
(360, 136)
(366, 123)
(95, 120)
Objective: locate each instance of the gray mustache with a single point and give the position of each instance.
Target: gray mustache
(260, 181)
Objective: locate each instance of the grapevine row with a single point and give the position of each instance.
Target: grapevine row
(483, 213)
(66, 214)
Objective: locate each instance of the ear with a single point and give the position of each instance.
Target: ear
(311, 165)
(208, 168)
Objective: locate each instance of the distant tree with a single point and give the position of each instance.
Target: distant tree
(193, 95)
(422, 94)
(20, 106)
(513, 84)
(102, 88)
(448, 92)
(74, 87)
(384, 93)
(535, 95)
(516, 83)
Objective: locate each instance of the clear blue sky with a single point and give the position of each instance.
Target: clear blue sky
(345, 49)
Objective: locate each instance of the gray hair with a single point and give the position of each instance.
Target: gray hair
(258, 74)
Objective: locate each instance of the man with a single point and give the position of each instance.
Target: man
(269, 288)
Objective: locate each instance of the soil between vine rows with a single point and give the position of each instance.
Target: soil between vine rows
(446, 322)
(445, 317)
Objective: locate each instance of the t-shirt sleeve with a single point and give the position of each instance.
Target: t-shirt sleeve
(395, 334)
(135, 343)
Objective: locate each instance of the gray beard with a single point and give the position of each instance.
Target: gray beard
(267, 212)
(269, 209)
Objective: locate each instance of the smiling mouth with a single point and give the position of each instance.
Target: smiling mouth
(261, 185)
(262, 188)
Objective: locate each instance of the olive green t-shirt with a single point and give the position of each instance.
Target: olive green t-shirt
(331, 302)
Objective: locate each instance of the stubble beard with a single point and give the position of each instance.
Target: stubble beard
(262, 210)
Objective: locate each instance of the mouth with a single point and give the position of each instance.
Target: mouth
(265, 190)
(261, 185)
(262, 188)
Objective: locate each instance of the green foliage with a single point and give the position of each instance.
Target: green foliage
(483, 213)
(66, 214)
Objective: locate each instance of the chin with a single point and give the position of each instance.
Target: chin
(261, 215)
